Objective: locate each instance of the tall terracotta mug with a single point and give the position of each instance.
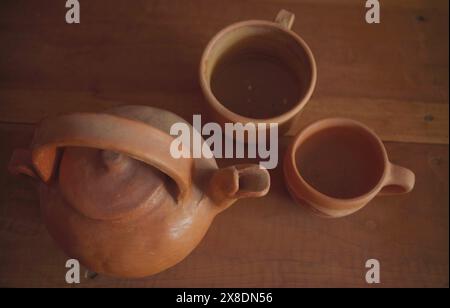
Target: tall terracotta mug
(336, 166)
(258, 72)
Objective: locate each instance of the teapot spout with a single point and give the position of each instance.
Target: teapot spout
(236, 182)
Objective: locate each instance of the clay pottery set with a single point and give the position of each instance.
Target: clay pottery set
(113, 196)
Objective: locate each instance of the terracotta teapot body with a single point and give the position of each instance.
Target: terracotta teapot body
(113, 197)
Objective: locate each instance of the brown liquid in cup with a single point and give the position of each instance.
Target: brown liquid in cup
(342, 162)
(255, 85)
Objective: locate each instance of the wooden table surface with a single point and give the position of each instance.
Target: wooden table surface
(392, 76)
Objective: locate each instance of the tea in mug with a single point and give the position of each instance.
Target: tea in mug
(255, 85)
(340, 162)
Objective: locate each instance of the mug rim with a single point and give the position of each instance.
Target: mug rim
(327, 123)
(236, 117)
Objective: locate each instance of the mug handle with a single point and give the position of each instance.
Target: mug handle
(399, 180)
(285, 19)
(108, 132)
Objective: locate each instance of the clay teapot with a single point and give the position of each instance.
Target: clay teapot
(113, 197)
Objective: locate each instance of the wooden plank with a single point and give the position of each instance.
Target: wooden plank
(270, 242)
(147, 52)
(156, 46)
(393, 120)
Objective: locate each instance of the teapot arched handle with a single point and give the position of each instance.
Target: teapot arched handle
(108, 132)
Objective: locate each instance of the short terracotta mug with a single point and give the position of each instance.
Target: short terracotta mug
(269, 76)
(336, 166)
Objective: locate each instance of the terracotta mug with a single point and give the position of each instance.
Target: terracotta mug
(336, 166)
(258, 72)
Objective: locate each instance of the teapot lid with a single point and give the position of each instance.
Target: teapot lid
(103, 184)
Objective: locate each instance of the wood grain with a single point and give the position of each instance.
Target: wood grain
(393, 120)
(148, 52)
(393, 76)
(156, 45)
